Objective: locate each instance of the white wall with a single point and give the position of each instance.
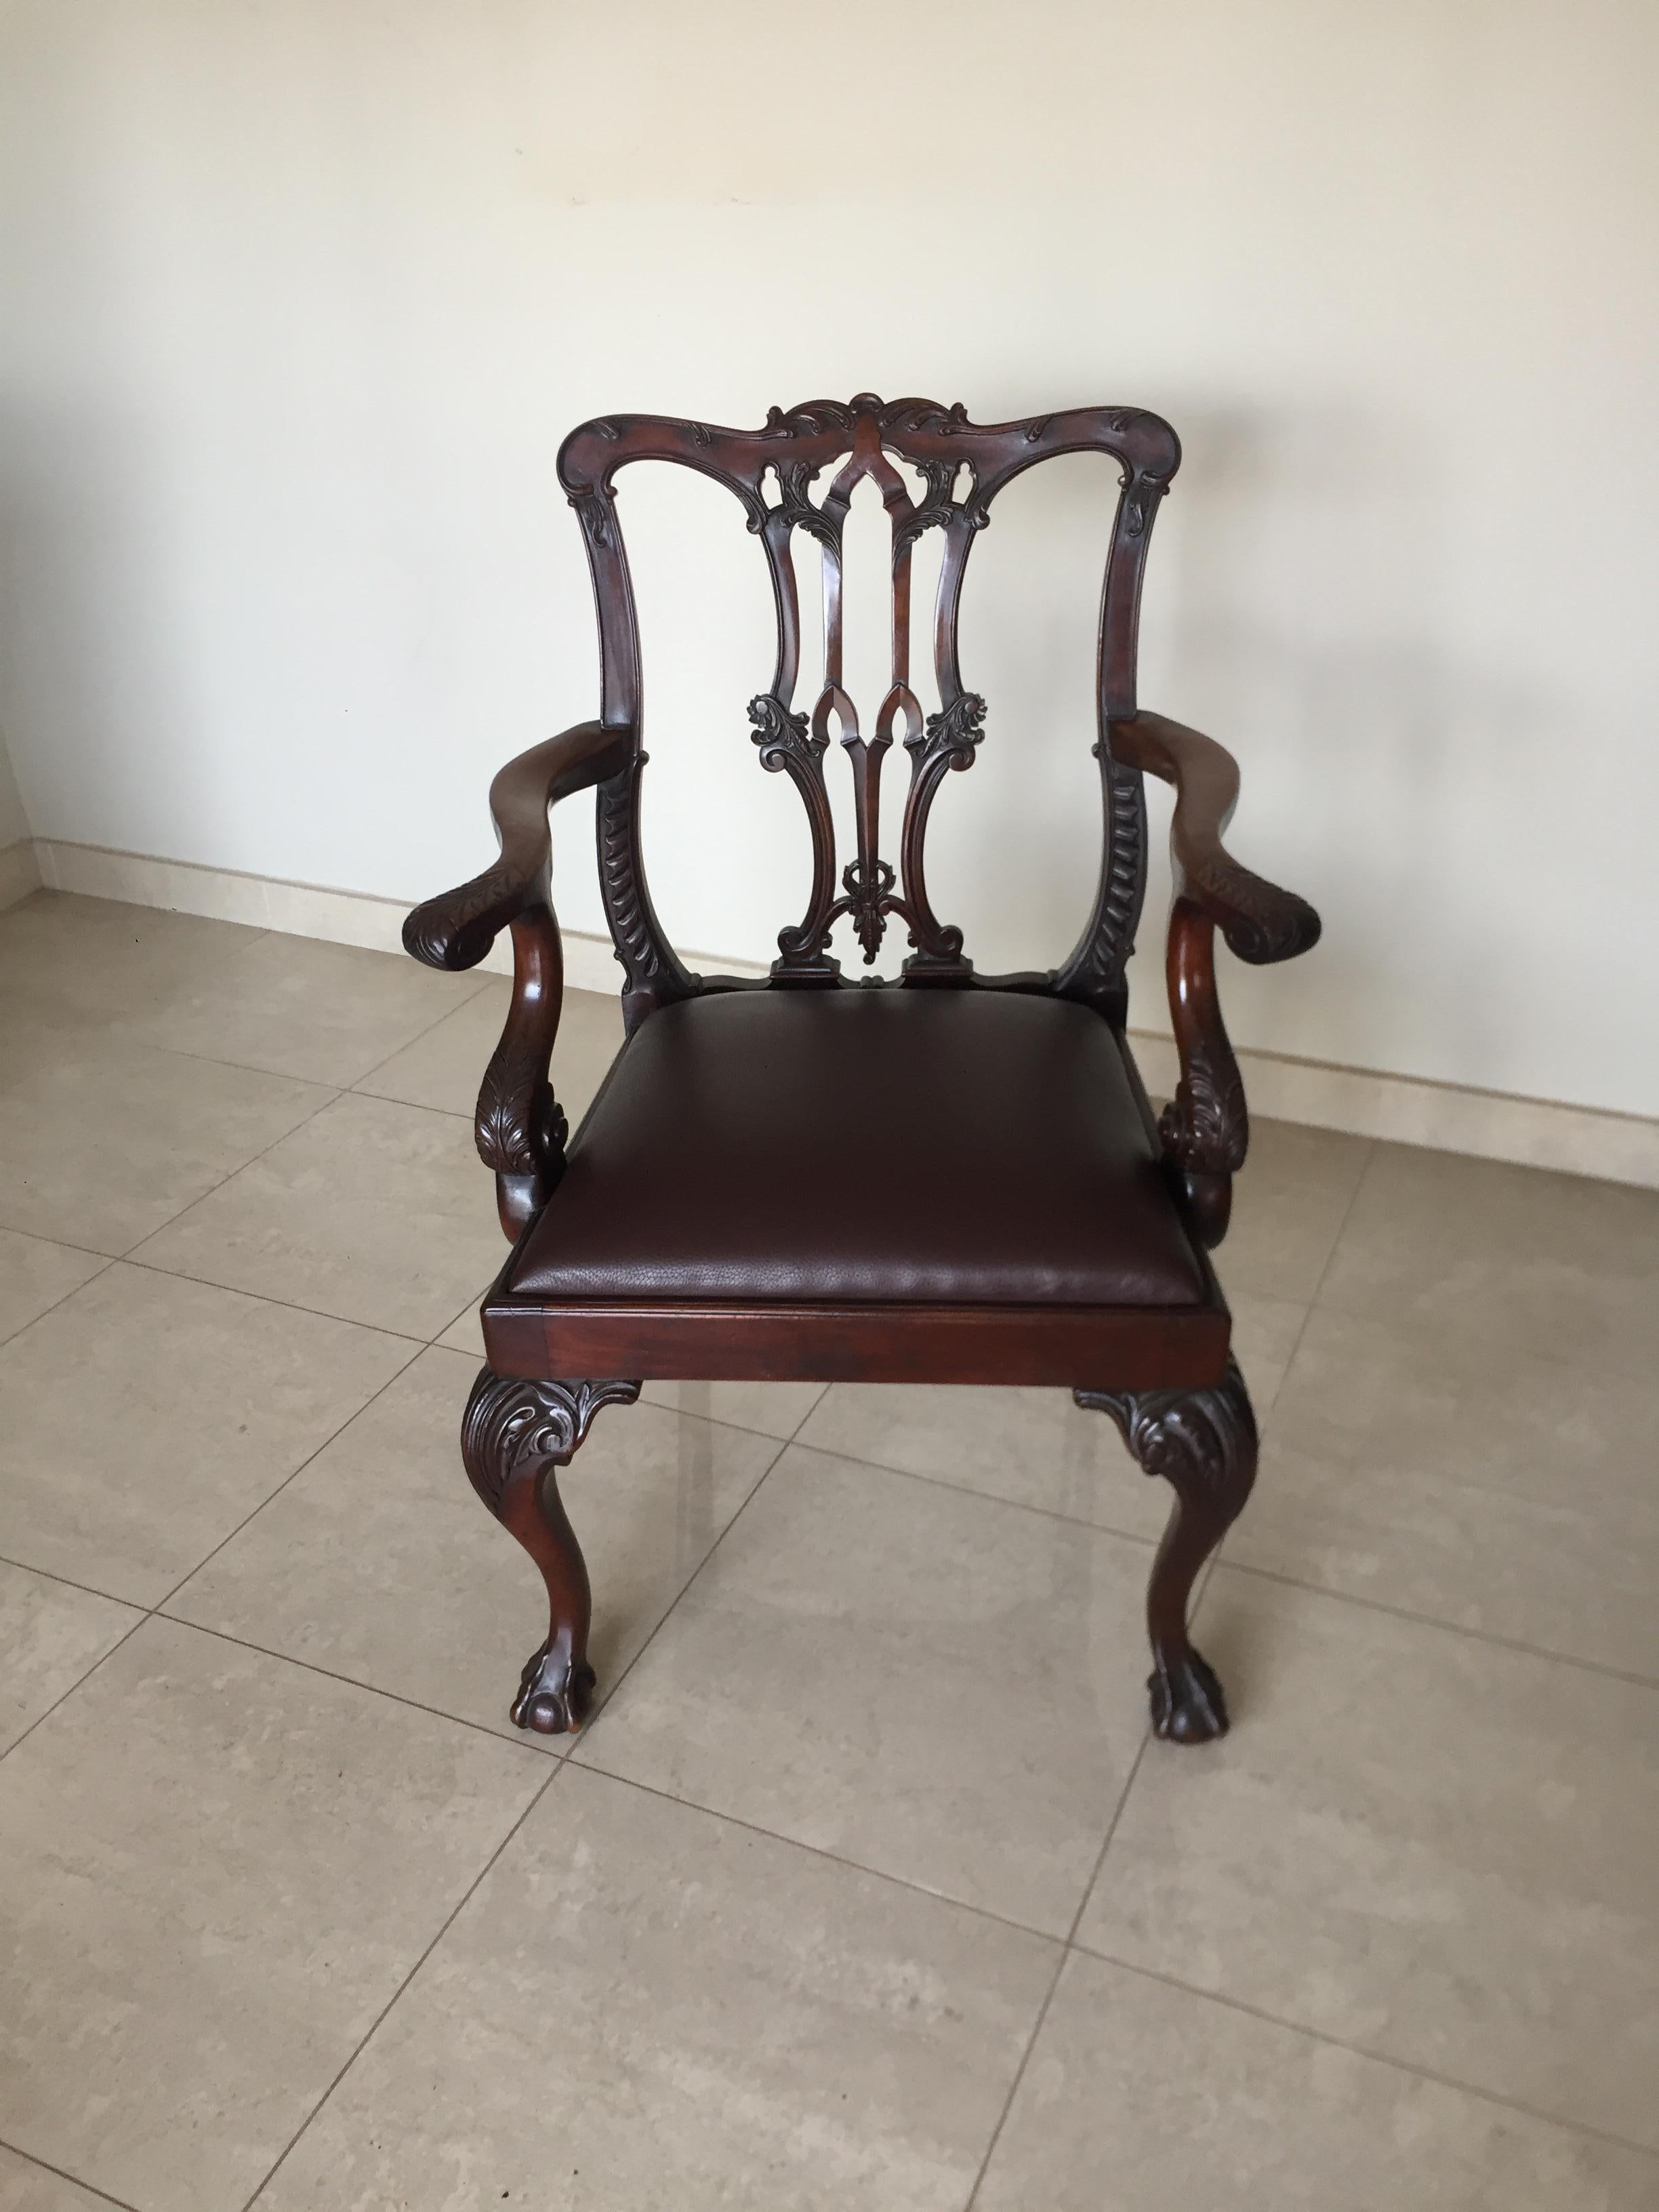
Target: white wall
(302, 296)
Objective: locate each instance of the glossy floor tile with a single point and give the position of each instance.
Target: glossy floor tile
(1528, 1260)
(380, 1563)
(1138, 2096)
(294, 1006)
(374, 1212)
(645, 2007)
(1028, 1447)
(145, 1417)
(26, 2186)
(1289, 1204)
(35, 1273)
(772, 1409)
(215, 1870)
(782, 1928)
(74, 1170)
(1421, 1844)
(1429, 1469)
(85, 959)
(51, 1634)
(444, 1067)
(938, 1686)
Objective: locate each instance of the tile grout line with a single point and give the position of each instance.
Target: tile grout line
(287, 1305)
(1376, 2057)
(984, 1496)
(374, 2026)
(477, 991)
(604, 1706)
(821, 1851)
(293, 1474)
(11, 1335)
(288, 1658)
(304, 1120)
(783, 1444)
(151, 1612)
(62, 2173)
(1296, 1346)
(1599, 1667)
(1067, 1950)
(514, 1742)
(79, 1682)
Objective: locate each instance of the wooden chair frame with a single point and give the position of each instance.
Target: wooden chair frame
(1165, 1374)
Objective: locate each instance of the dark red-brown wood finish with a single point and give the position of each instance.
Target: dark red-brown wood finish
(1159, 1365)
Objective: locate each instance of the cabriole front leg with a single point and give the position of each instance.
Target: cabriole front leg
(1203, 1442)
(515, 1435)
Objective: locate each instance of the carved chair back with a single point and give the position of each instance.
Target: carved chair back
(795, 478)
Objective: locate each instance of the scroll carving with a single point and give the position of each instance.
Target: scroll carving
(515, 1434)
(1200, 1440)
(1265, 924)
(1203, 1443)
(441, 932)
(510, 1422)
(1143, 491)
(519, 1127)
(962, 466)
(1206, 1127)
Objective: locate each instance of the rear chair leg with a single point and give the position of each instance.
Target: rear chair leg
(514, 1436)
(1204, 1443)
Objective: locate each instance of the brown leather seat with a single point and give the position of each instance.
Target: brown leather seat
(951, 1146)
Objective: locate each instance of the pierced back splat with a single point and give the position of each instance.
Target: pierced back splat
(795, 448)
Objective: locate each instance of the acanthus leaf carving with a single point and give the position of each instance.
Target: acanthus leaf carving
(441, 932)
(936, 508)
(1206, 1127)
(952, 736)
(520, 1128)
(1261, 923)
(808, 420)
(1202, 1442)
(511, 1421)
(783, 737)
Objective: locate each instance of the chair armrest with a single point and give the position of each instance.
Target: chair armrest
(1261, 922)
(519, 1125)
(457, 929)
(1206, 1127)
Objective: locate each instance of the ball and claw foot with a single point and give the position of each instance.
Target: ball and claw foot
(554, 1697)
(1188, 1705)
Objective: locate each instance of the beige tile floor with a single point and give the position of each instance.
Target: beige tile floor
(864, 1886)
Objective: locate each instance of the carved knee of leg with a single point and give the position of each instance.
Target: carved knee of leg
(1203, 1442)
(515, 1435)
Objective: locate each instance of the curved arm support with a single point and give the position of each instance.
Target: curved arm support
(457, 929)
(1206, 1128)
(1261, 923)
(520, 1128)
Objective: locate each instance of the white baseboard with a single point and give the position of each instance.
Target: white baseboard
(1489, 1124)
(19, 872)
(1493, 1125)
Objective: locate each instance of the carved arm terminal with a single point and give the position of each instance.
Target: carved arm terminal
(520, 1128)
(1206, 1128)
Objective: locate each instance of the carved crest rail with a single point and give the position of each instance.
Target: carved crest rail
(962, 466)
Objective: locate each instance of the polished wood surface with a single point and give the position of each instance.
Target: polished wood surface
(1164, 1373)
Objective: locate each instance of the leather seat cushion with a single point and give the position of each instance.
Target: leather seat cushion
(940, 1146)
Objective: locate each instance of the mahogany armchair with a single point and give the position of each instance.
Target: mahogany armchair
(726, 1209)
